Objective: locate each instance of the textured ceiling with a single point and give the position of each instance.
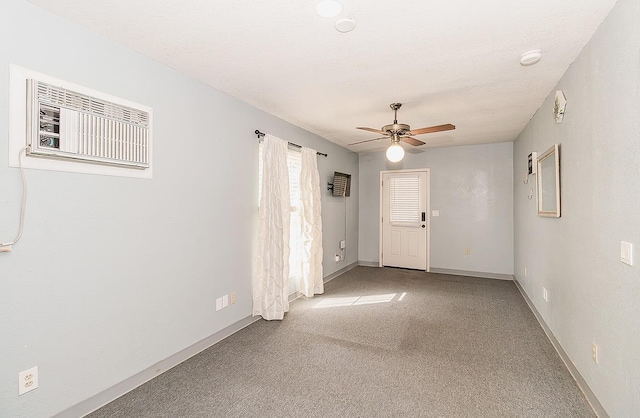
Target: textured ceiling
(453, 61)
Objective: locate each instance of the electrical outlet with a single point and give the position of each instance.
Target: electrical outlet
(27, 380)
(232, 298)
(337, 257)
(594, 352)
(5, 248)
(467, 251)
(218, 304)
(545, 294)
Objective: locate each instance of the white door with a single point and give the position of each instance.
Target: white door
(404, 219)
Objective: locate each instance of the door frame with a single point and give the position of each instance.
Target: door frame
(428, 217)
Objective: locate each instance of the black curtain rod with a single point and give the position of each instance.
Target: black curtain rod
(260, 135)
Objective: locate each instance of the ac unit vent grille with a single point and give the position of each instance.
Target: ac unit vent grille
(81, 102)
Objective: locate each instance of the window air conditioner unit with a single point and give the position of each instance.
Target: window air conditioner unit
(64, 124)
(341, 184)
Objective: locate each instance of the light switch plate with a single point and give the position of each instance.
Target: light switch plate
(626, 252)
(218, 304)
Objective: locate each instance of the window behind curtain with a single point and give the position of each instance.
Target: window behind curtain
(294, 160)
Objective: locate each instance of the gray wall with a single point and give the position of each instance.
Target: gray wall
(593, 297)
(471, 186)
(115, 274)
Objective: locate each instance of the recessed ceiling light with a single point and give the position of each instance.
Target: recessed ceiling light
(530, 58)
(328, 8)
(345, 25)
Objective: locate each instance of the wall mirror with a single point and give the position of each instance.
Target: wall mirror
(549, 183)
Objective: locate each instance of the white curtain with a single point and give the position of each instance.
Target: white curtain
(271, 270)
(311, 280)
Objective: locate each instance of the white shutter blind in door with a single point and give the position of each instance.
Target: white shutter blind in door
(405, 200)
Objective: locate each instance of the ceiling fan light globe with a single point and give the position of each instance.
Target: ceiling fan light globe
(395, 153)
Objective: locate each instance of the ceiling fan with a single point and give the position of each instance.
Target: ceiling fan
(401, 132)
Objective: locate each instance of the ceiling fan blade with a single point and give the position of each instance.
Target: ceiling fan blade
(430, 129)
(369, 140)
(378, 131)
(411, 141)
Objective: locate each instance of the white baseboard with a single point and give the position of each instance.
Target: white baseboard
(97, 401)
(480, 274)
(582, 384)
(498, 276)
(369, 263)
(341, 271)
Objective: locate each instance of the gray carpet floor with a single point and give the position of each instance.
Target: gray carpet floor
(380, 342)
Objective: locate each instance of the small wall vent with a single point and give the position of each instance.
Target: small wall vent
(69, 125)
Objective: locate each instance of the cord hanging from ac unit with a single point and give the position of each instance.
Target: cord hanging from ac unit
(345, 228)
(6, 246)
